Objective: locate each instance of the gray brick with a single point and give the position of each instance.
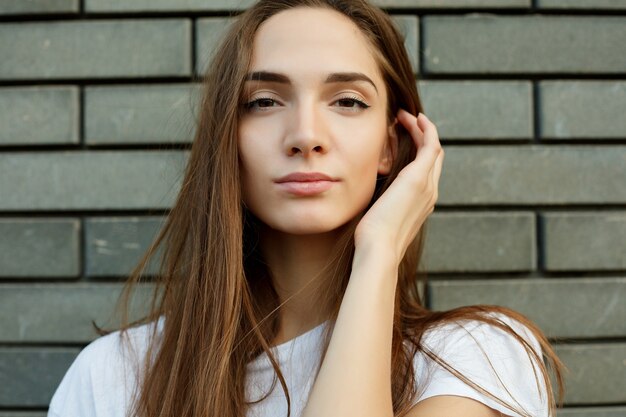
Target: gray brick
(594, 306)
(90, 180)
(95, 49)
(210, 31)
(140, 114)
(472, 175)
(458, 242)
(457, 4)
(408, 26)
(479, 109)
(22, 414)
(582, 4)
(585, 241)
(61, 313)
(115, 245)
(165, 5)
(38, 115)
(618, 411)
(533, 175)
(582, 109)
(39, 248)
(597, 373)
(492, 44)
(29, 376)
(10, 7)
(215, 5)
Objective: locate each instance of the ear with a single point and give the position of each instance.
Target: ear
(389, 150)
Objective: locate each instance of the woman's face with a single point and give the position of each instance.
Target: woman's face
(314, 133)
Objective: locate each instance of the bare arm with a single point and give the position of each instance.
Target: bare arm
(354, 379)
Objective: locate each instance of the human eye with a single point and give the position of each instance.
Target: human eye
(353, 103)
(260, 104)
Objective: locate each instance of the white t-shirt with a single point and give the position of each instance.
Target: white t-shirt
(100, 382)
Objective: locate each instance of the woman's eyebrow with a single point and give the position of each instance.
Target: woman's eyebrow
(335, 77)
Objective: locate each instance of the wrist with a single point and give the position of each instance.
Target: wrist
(379, 251)
(375, 257)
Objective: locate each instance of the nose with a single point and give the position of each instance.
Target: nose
(305, 133)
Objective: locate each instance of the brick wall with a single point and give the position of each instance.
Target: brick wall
(97, 108)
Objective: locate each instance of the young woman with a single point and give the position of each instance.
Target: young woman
(288, 273)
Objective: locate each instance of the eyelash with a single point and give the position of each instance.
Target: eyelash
(249, 106)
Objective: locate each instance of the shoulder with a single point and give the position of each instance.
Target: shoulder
(450, 337)
(102, 378)
(494, 360)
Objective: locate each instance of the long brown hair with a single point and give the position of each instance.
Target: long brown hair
(213, 286)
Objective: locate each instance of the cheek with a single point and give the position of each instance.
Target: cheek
(249, 169)
(251, 139)
(257, 137)
(363, 149)
(256, 156)
(362, 158)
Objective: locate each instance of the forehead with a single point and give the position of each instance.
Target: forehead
(310, 41)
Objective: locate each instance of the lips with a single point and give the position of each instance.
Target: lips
(305, 183)
(304, 177)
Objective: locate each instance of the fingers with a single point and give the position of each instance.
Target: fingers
(435, 170)
(432, 146)
(410, 124)
(424, 134)
(436, 173)
(438, 164)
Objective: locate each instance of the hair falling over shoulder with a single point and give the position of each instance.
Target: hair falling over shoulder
(213, 287)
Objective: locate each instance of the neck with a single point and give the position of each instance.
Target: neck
(298, 267)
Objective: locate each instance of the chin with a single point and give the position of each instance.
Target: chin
(300, 220)
(306, 227)
(300, 226)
